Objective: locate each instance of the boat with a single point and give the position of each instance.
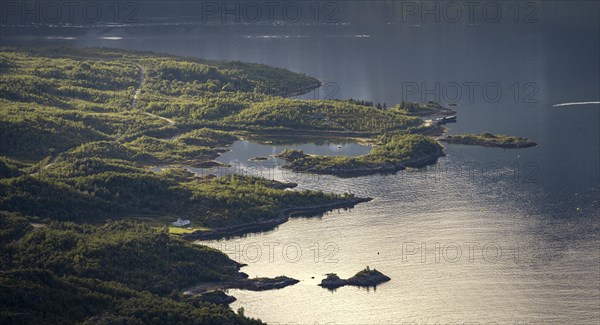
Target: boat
(453, 104)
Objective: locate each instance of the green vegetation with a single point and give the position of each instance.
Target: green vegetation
(429, 108)
(117, 273)
(54, 100)
(325, 116)
(490, 140)
(206, 138)
(96, 189)
(396, 152)
(216, 297)
(76, 145)
(79, 129)
(180, 230)
(132, 254)
(10, 168)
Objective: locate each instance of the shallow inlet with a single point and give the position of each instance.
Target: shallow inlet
(241, 153)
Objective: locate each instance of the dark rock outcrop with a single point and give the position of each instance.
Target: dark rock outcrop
(364, 278)
(256, 284)
(216, 297)
(368, 278)
(333, 281)
(260, 284)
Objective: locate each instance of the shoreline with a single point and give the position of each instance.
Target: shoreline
(243, 283)
(266, 225)
(490, 143)
(384, 168)
(362, 139)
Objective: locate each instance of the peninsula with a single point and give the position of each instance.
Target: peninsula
(490, 140)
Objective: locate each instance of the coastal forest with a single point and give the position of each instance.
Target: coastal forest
(83, 214)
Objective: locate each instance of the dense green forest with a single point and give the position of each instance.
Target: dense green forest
(395, 152)
(96, 189)
(75, 141)
(118, 273)
(79, 129)
(57, 99)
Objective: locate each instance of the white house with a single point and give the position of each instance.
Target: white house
(180, 222)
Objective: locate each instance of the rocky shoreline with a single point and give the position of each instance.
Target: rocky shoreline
(217, 297)
(265, 225)
(256, 284)
(369, 169)
(431, 109)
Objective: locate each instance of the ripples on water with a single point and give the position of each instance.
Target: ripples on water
(552, 213)
(459, 246)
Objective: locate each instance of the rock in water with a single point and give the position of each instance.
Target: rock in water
(364, 278)
(368, 278)
(332, 281)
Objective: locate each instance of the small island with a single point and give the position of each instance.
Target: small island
(490, 140)
(396, 152)
(365, 278)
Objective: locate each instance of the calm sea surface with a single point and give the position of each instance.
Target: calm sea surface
(486, 235)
